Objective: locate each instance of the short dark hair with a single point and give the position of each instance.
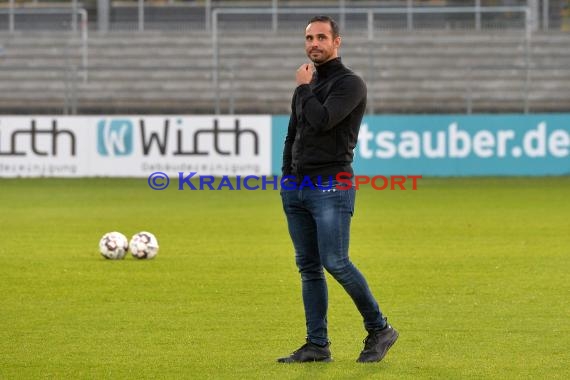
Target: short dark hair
(334, 26)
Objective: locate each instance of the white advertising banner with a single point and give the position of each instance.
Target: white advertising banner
(134, 146)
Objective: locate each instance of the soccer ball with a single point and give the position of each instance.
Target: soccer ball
(113, 245)
(143, 245)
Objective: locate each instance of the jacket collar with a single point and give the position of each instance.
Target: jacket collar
(329, 67)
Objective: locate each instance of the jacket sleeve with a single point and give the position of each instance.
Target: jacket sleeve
(345, 95)
(289, 139)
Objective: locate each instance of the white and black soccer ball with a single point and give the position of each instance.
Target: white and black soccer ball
(143, 245)
(113, 245)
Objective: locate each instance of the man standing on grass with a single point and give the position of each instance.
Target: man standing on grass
(327, 109)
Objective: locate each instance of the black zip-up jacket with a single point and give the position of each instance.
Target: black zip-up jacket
(324, 123)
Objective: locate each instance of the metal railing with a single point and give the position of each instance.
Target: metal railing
(471, 89)
(226, 97)
(138, 15)
(76, 25)
(62, 89)
(370, 27)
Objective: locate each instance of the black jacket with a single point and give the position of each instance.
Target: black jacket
(324, 123)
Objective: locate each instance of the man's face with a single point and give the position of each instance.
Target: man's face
(320, 45)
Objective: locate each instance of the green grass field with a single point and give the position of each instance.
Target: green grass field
(474, 273)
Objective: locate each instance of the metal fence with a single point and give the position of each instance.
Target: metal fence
(113, 90)
(472, 89)
(368, 22)
(139, 15)
(77, 86)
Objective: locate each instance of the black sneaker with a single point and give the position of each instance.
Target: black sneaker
(309, 352)
(377, 344)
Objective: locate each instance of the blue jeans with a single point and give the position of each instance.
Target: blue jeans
(319, 225)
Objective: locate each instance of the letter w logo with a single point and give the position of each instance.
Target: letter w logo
(115, 137)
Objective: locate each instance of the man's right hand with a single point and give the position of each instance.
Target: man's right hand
(305, 74)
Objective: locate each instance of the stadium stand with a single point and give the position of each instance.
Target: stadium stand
(165, 71)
